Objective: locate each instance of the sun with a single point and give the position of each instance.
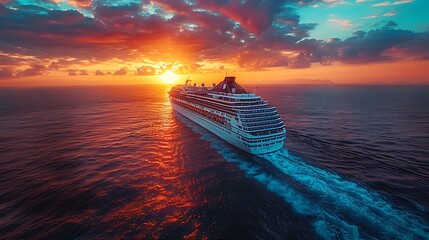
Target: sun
(169, 77)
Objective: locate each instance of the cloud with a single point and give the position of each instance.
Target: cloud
(99, 73)
(382, 4)
(121, 71)
(391, 24)
(6, 73)
(341, 22)
(390, 14)
(359, 33)
(189, 68)
(205, 31)
(261, 59)
(34, 70)
(402, 2)
(301, 61)
(255, 16)
(145, 70)
(370, 17)
(72, 73)
(191, 36)
(333, 3)
(371, 47)
(83, 4)
(387, 3)
(76, 72)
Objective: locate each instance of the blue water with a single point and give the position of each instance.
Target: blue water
(117, 162)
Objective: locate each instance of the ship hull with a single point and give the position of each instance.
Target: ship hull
(225, 134)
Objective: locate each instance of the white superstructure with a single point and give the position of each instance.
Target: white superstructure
(227, 110)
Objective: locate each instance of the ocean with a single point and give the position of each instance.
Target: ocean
(116, 162)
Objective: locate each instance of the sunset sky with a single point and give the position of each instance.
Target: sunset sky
(73, 42)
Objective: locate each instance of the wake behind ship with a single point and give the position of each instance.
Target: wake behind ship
(230, 112)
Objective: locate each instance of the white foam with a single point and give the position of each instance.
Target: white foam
(344, 210)
(349, 200)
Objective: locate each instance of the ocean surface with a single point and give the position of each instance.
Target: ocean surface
(116, 162)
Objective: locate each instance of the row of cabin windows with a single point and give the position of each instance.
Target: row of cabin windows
(262, 123)
(260, 115)
(256, 107)
(258, 111)
(262, 140)
(267, 132)
(259, 119)
(263, 127)
(247, 104)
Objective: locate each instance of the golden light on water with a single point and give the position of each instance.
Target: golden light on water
(169, 77)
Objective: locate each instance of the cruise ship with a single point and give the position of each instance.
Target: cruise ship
(241, 118)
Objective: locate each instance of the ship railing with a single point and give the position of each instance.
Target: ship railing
(247, 94)
(234, 100)
(235, 96)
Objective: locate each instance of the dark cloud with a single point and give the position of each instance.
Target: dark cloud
(99, 73)
(302, 30)
(110, 13)
(372, 46)
(359, 33)
(122, 71)
(418, 46)
(56, 65)
(391, 24)
(34, 70)
(72, 73)
(219, 31)
(259, 60)
(255, 15)
(76, 72)
(6, 73)
(302, 61)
